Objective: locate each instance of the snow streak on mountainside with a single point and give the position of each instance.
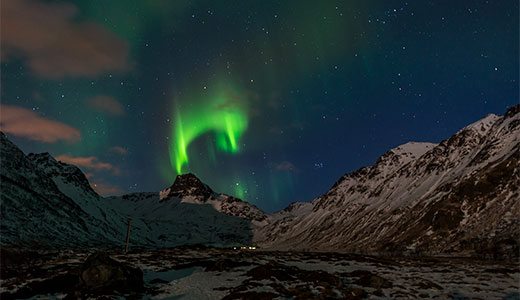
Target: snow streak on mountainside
(50, 203)
(457, 197)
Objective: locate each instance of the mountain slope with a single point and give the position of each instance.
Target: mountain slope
(456, 197)
(459, 197)
(51, 203)
(190, 212)
(34, 211)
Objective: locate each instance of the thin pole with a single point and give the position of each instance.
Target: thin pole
(128, 234)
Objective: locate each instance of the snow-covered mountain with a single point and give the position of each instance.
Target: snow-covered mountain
(190, 212)
(460, 196)
(34, 210)
(51, 203)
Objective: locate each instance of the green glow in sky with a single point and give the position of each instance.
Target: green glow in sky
(219, 113)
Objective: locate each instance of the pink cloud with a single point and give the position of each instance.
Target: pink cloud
(119, 150)
(25, 123)
(54, 44)
(90, 162)
(107, 104)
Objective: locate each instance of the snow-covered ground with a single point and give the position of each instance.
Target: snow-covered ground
(190, 273)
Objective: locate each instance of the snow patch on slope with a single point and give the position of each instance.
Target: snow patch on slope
(412, 150)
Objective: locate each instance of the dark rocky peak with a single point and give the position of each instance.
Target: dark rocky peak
(67, 173)
(8, 148)
(190, 185)
(389, 158)
(512, 111)
(291, 207)
(481, 127)
(471, 135)
(296, 207)
(42, 159)
(51, 166)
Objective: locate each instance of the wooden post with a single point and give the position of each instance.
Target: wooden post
(128, 234)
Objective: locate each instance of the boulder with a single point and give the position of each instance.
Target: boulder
(102, 274)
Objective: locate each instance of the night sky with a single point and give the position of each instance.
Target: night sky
(270, 101)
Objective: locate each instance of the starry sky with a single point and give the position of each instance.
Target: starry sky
(270, 101)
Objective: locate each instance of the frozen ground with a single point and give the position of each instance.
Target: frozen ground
(190, 273)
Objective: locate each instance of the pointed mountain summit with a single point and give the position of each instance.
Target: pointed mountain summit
(187, 185)
(190, 185)
(190, 189)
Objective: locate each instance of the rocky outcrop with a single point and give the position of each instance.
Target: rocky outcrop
(101, 274)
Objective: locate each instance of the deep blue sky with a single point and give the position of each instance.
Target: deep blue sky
(327, 87)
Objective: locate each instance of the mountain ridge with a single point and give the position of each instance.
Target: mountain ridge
(451, 198)
(51, 203)
(420, 205)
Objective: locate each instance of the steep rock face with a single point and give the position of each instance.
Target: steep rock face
(34, 211)
(189, 185)
(457, 197)
(61, 173)
(72, 182)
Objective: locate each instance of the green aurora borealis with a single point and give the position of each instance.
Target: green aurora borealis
(221, 114)
(270, 101)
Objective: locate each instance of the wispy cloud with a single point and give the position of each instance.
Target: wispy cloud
(119, 150)
(90, 163)
(96, 167)
(54, 44)
(25, 123)
(106, 104)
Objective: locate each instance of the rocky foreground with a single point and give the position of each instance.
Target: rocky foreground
(209, 273)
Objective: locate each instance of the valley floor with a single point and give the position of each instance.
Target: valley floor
(191, 273)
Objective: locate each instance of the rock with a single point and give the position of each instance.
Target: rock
(373, 281)
(190, 185)
(356, 293)
(101, 274)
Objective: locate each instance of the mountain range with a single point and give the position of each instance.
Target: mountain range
(457, 197)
